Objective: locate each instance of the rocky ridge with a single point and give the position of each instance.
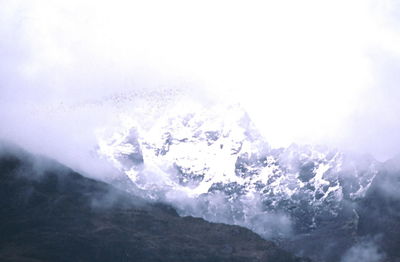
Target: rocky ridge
(48, 212)
(216, 157)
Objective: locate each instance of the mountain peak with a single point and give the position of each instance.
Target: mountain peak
(196, 159)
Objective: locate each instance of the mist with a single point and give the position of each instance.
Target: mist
(77, 77)
(309, 72)
(366, 250)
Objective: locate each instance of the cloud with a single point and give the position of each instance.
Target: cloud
(307, 72)
(374, 126)
(246, 211)
(364, 251)
(301, 70)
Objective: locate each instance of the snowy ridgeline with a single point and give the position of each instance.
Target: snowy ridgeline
(215, 164)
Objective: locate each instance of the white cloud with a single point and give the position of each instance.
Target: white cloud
(365, 251)
(301, 68)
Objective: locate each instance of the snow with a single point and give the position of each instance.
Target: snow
(191, 152)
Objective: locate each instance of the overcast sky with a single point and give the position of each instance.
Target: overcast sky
(306, 71)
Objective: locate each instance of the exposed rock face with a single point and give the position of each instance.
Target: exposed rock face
(221, 153)
(379, 211)
(50, 213)
(214, 164)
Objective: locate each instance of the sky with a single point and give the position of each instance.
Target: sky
(325, 72)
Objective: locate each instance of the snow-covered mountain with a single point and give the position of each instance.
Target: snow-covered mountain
(212, 162)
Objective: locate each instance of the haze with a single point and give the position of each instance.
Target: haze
(306, 71)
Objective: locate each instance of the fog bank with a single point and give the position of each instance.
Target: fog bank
(306, 72)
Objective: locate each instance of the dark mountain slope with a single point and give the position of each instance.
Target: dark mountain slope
(379, 211)
(50, 213)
